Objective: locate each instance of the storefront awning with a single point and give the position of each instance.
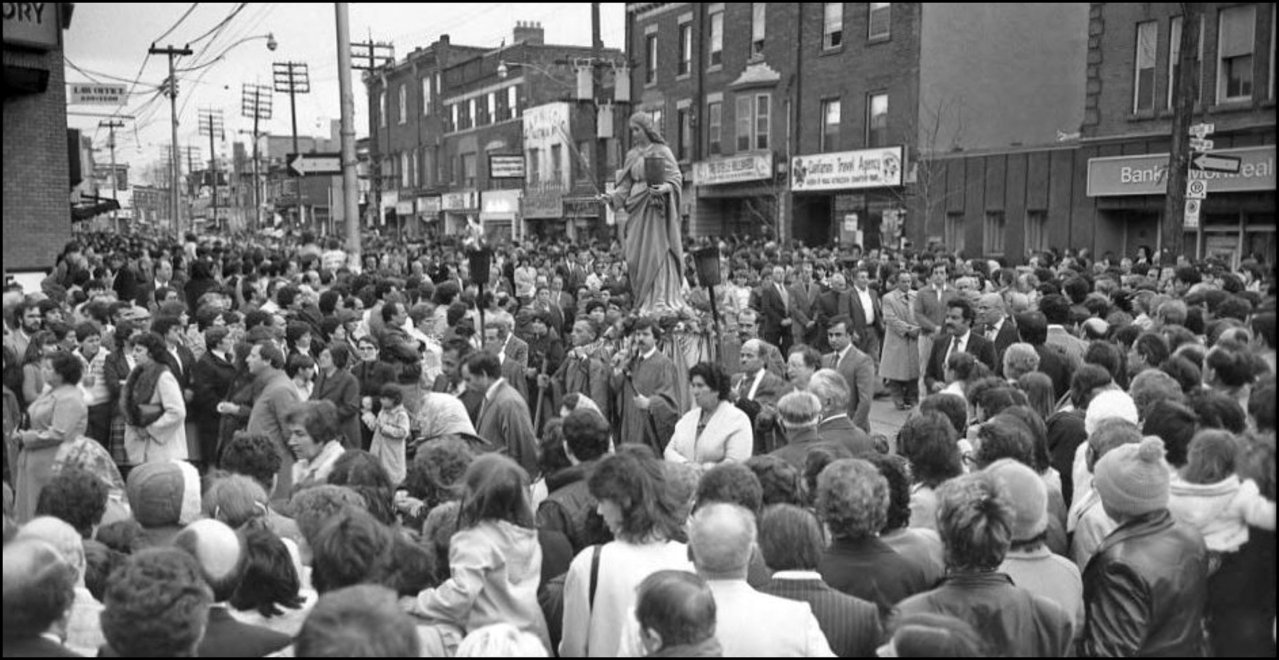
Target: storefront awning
(91, 206)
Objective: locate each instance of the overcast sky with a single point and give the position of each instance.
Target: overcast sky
(110, 42)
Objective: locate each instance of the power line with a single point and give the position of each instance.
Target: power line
(180, 19)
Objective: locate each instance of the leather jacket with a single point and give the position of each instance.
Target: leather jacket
(1146, 589)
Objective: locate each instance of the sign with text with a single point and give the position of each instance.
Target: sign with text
(735, 169)
(544, 200)
(428, 205)
(32, 24)
(510, 166)
(865, 168)
(1196, 189)
(304, 164)
(1148, 175)
(458, 201)
(97, 94)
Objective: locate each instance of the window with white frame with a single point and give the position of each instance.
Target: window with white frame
(658, 116)
(1036, 231)
(414, 165)
(715, 127)
(1235, 42)
(763, 112)
(877, 120)
(877, 20)
(759, 11)
(405, 173)
(403, 105)
(471, 115)
(650, 59)
(1174, 59)
(1143, 77)
(381, 120)
(453, 111)
(993, 234)
(744, 122)
(830, 125)
(685, 49)
(832, 25)
(513, 101)
(492, 108)
(426, 96)
(717, 38)
(954, 232)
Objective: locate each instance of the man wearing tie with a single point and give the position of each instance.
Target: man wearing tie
(996, 326)
(774, 306)
(758, 385)
(833, 303)
(856, 368)
(803, 295)
(868, 317)
(959, 321)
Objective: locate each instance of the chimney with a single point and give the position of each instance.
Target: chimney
(529, 32)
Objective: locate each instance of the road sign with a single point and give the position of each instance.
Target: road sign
(1216, 163)
(304, 164)
(1200, 144)
(1192, 214)
(1196, 189)
(1203, 130)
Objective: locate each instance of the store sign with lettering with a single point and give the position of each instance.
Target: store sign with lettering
(864, 168)
(456, 201)
(1148, 175)
(96, 94)
(747, 167)
(32, 25)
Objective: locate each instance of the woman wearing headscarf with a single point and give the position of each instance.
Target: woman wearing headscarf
(653, 246)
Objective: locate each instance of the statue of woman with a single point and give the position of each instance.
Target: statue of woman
(652, 244)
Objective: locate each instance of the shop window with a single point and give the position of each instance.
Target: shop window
(717, 38)
(830, 125)
(758, 14)
(1143, 80)
(685, 49)
(877, 23)
(650, 59)
(877, 120)
(715, 127)
(1174, 60)
(1235, 26)
(832, 25)
(993, 234)
(954, 232)
(1037, 231)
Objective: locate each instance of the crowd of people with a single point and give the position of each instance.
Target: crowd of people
(234, 448)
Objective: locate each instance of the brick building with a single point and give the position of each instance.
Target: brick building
(814, 118)
(448, 118)
(37, 176)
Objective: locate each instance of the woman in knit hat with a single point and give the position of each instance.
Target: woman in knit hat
(1147, 585)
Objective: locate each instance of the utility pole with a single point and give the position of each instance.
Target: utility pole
(370, 56)
(350, 190)
(111, 125)
(294, 78)
(255, 102)
(1184, 93)
(173, 52)
(211, 124)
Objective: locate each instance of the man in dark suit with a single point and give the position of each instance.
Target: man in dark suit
(774, 306)
(504, 415)
(219, 554)
(997, 326)
(830, 304)
(39, 589)
(868, 316)
(456, 351)
(855, 366)
(792, 542)
(960, 317)
(803, 295)
(835, 426)
(762, 389)
(1033, 328)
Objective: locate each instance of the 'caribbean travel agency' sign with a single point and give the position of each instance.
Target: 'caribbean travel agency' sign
(844, 170)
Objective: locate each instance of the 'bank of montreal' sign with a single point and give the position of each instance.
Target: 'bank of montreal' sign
(1148, 174)
(845, 170)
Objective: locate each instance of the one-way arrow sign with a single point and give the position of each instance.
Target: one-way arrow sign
(1216, 163)
(304, 164)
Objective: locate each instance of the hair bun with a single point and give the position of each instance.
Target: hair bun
(1151, 449)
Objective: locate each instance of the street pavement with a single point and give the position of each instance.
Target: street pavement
(885, 418)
